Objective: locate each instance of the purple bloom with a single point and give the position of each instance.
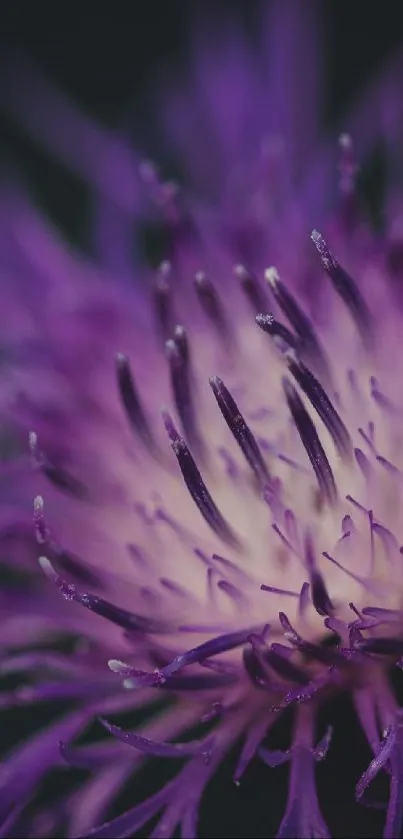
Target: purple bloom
(214, 450)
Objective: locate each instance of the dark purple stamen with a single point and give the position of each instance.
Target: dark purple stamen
(380, 646)
(311, 442)
(182, 393)
(131, 400)
(323, 406)
(197, 487)
(196, 655)
(304, 598)
(121, 617)
(254, 668)
(251, 288)
(284, 667)
(319, 594)
(289, 630)
(345, 287)
(239, 428)
(163, 301)
(211, 303)
(298, 319)
(276, 330)
(213, 647)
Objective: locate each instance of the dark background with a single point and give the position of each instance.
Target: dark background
(106, 55)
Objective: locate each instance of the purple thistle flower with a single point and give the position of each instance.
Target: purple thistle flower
(214, 453)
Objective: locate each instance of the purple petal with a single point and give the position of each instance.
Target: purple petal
(126, 824)
(152, 748)
(24, 769)
(378, 762)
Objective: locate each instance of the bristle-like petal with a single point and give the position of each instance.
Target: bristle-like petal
(197, 487)
(311, 442)
(239, 429)
(345, 286)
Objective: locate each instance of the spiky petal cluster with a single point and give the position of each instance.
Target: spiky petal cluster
(256, 566)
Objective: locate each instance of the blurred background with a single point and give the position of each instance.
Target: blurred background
(111, 60)
(108, 58)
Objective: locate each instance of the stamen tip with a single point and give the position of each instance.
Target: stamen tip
(117, 666)
(47, 567)
(325, 254)
(200, 278)
(346, 142)
(121, 359)
(165, 269)
(264, 320)
(240, 272)
(38, 504)
(171, 349)
(271, 276)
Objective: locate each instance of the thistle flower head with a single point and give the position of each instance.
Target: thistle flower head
(215, 462)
